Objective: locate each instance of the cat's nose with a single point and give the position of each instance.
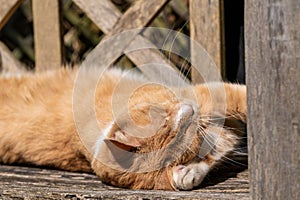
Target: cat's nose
(187, 110)
(184, 114)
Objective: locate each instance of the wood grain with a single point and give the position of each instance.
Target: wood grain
(273, 70)
(98, 12)
(206, 21)
(7, 8)
(137, 16)
(47, 34)
(103, 13)
(147, 55)
(226, 182)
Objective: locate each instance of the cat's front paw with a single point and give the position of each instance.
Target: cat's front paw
(190, 176)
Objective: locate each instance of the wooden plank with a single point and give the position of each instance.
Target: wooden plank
(7, 8)
(137, 16)
(47, 34)
(103, 13)
(144, 54)
(147, 54)
(180, 8)
(272, 39)
(206, 21)
(8, 63)
(226, 182)
(95, 10)
(150, 55)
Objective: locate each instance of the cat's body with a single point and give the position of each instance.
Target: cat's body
(159, 148)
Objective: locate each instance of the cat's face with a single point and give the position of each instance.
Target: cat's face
(147, 131)
(157, 130)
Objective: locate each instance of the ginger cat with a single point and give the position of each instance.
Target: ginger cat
(158, 138)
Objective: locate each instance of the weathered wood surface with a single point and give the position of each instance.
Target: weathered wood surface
(273, 70)
(137, 16)
(206, 21)
(103, 13)
(227, 182)
(8, 63)
(47, 34)
(7, 8)
(146, 56)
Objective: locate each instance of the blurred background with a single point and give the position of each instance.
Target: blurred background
(80, 35)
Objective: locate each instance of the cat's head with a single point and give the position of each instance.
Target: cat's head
(156, 131)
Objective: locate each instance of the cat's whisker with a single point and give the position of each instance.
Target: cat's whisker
(179, 76)
(172, 44)
(231, 161)
(212, 147)
(185, 75)
(241, 138)
(186, 147)
(236, 130)
(213, 122)
(189, 70)
(240, 153)
(215, 116)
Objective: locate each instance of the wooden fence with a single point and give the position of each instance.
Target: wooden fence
(110, 20)
(272, 53)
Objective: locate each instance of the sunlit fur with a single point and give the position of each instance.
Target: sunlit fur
(37, 126)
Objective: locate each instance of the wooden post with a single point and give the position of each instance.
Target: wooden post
(47, 34)
(207, 24)
(272, 39)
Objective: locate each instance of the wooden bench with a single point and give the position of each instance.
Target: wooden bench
(228, 181)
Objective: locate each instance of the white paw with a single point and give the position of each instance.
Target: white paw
(188, 177)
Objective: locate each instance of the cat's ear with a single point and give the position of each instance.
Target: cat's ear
(123, 140)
